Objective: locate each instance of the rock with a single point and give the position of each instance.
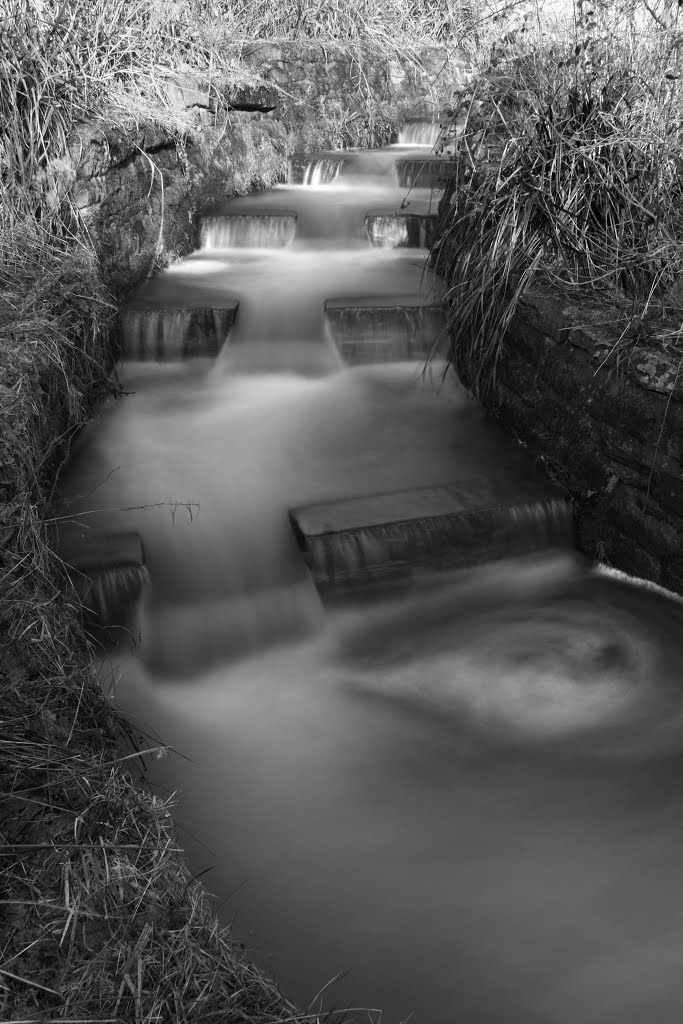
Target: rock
(261, 98)
(186, 91)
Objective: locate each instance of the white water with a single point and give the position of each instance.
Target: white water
(467, 798)
(420, 133)
(250, 232)
(387, 232)
(322, 172)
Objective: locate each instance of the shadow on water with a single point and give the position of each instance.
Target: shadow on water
(466, 796)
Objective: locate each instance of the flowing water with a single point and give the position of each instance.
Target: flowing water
(462, 797)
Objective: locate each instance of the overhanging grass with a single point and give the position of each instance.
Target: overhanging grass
(102, 921)
(55, 317)
(569, 170)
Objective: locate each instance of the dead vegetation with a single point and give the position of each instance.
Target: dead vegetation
(567, 144)
(101, 919)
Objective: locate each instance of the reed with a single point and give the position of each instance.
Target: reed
(568, 172)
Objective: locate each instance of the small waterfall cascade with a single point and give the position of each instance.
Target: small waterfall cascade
(107, 572)
(429, 173)
(384, 538)
(387, 232)
(400, 230)
(419, 133)
(314, 217)
(174, 335)
(384, 334)
(242, 231)
(300, 284)
(323, 170)
(405, 167)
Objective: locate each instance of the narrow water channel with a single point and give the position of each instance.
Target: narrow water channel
(457, 802)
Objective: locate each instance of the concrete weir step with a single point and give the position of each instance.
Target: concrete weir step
(184, 312)
(425, 172)
(387, 334)
(385, 539)
(106, 570)
(379, 215)
(387, 303)
(173, 334)
(401, 165)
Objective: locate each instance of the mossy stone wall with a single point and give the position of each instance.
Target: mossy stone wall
(607, 423)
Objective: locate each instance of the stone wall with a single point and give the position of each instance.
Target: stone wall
(138, 189)
(606, 421)
(346, 84)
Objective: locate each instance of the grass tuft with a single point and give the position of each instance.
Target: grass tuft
(567, 145)
(101, 920)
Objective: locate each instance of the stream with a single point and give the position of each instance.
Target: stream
(457, 801)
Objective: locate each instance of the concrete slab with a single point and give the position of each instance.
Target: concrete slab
(380, 538)
(88, 551)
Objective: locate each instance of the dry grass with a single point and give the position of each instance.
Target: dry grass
(54, 321)
(62, 63)
(569, 169)
(102, 921)
(392, 24)
(66, 62)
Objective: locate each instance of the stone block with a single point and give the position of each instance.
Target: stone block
(186, 91)
(528, 340)
(263, 98)
(626, 554)
(658, 369)
(543, 313)
(668, 490)
(635, 516)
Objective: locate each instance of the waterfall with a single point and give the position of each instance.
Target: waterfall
(387, 232)
(411, 230)
(384, 537)
(425, 172)
(386, 334)
(173, 335)
(322, 170)
(419, 133)
(252, 231)
(107, 572)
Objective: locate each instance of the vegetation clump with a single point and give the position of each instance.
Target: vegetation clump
(568, 147)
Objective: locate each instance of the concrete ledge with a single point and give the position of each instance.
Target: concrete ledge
(381, 538)
(86, 551)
